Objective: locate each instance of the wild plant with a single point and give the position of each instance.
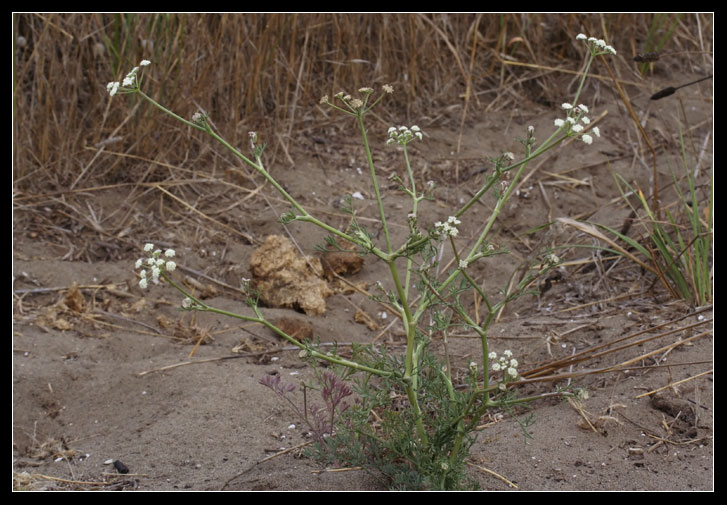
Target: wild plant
(320, 420)
(415, 417)
(677, 250)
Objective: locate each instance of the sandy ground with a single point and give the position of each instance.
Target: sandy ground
(93, 374)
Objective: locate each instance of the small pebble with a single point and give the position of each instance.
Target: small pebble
(120, 467)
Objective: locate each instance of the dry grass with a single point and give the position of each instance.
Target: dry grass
(267, 72)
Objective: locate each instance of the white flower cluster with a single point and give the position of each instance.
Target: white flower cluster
(507, 364)
(403, 135)
(130, 81)
(551, 259)
(155, 264)
(597, 46)
(355, 103)
(351, 103)
(449, 228)
(574, 114)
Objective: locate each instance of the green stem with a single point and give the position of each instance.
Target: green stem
(167, 111)
(411, 368)
(545, 146)
(415, 205)
(304, 215)
(203, 307)
(375, 182)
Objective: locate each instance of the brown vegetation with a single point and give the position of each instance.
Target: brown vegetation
(94, 176)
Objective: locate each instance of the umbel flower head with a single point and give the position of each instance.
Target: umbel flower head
(506, 364)
(356, 106)
(449, 228)
(403, 135)
(576, 121)
(130, 82)
(596, 46)
(154, 265)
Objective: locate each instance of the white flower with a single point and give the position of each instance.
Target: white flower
(492, 355)
(448, 228)
(583, 108)
(577, 128)
(170, 266)
(387, 88)
(462, 264)
(596, 131)
(143, 283)
(598, 46)
(403, 134)
(496, 367)
(512, 372)
(187, 302)
(142, 274)
(585, 120)
(169, 253)
(128, 81)
(587, 139)
(138, 263)
(112, 88)
(508, 353)
(144, 63)
(567, 106)
(148, 247)
(559, 123)
(513, 363)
